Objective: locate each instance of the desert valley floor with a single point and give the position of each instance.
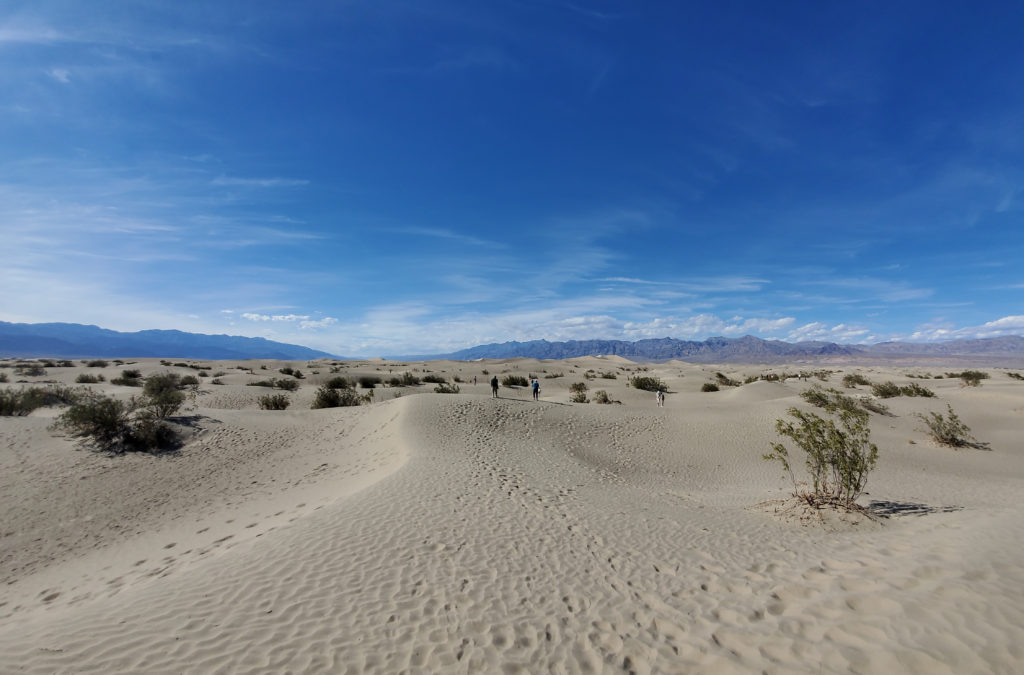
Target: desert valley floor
(429, 532)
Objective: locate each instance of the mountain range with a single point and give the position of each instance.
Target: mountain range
(748, 349)
(72, 340)
(69, 340)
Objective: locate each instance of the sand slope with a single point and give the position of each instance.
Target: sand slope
(460, 533)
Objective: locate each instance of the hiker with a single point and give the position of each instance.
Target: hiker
(494, 387)
(536, 390)
(661, 399)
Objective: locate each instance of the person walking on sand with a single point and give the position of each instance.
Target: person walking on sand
(494, 387)
(536, 390)
(661, 399)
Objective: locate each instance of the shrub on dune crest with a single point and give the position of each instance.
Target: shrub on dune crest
(948, 429)
(647, 383)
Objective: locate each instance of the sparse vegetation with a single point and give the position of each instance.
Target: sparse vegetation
(117, 426)
(551, 376)
(1016, 376)
(129, 378)
(21, 402)
(608, 375)
(97, 363)
(709, 386)
(885, 390)
(445, 388)
(30, 369)
(407, 379)
(276, 383)
(434, 379)
(914, 389)
(369, 381)
(338, 398)
(294, 372)
(274, 402)
(3, 377)
(971, 378)
(853, 379)
(948, 429)
(838, 458)
(833, 400)
(88, 378)
(579, 392)
(601, 396)
(339, 383)
(726, 381)
(647, 383)
(514, 381)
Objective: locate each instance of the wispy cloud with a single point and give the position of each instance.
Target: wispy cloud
(234, 181)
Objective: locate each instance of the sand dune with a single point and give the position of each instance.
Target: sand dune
(459, 533)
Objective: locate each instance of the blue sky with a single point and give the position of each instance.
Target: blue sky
(387, 177)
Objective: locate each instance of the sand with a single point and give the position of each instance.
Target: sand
(458, 533)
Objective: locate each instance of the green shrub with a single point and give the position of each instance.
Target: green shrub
(647, 383)
(885, 390)
(86, 378)
(97, 363)
(838, 459)
(115, 426)
(369, 381)
(726, 381)
(948, 430)
(274, 402)
(971, 378)
(445, 388)
(914, 389)
(514, 381)
(162, 395)
(434, 379)
(709, 386)
(853, 379)
(339, 383)
(873, 405)
(21, 402)
(336, 398)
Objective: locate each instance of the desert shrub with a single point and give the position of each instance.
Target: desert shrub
(872, 405)
(578, 387)
(445, 388)
(551, 376)
(456, 378)
(601, 396)
(838, 459)
(948, 429)
(30, 369)
(770, 377)
(514, 381)
(339, 383)
(1016, 376)
(294, 372)
(709, 386)
(608, 375)
(885, 390)
(47, 363)
(116, 426)
(751, 378)
(189, 380)
(162, 395)
(217, 381)
(853, 379)
(220, 373)
(262, 383)
(337, 398)
(914, 389)
(181, 364)
(274, 402)
(816, 396)
(369, 381)
(579, 397)
(129, 378)
(822, 375)
(722, 379)
(407, 379)
(434, 379)
(3, 377)
(97, 363)
(647, 383)
(21, 402)
(485, 372)
(971, 378)
(87, 378)
(276, 383)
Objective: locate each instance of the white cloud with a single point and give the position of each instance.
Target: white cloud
(257, 182)
(60, 74)
(842, 333)
(274, 317)
(1007, 325)
(320, 323)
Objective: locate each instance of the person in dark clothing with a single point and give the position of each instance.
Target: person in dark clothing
(494, 387)
(536, 390)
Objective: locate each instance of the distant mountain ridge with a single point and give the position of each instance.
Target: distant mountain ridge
(72, 340)
(746, 349)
